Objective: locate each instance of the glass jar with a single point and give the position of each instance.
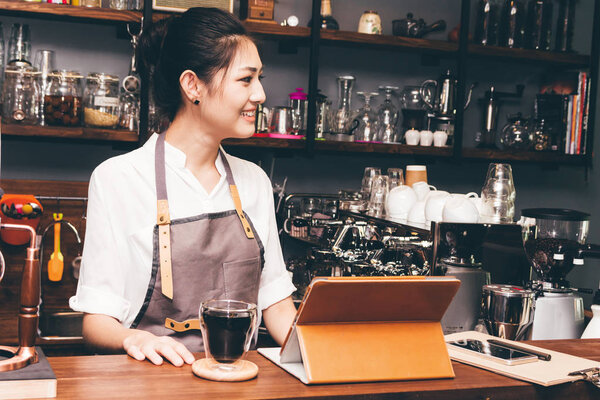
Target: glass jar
(62, 100)
(21, 95)
(515, 134)
(101, 101)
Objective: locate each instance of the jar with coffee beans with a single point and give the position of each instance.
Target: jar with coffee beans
(101, 100)
(63, 99)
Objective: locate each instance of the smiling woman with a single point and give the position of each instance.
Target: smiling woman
(198, 224)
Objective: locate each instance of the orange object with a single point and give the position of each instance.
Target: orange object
(56, 262)
(371, 329)
(17, 212)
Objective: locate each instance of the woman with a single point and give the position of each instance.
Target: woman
(165, 226)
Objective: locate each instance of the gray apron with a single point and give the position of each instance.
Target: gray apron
(208, 256)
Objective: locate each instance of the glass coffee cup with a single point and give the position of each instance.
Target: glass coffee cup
(228, 327)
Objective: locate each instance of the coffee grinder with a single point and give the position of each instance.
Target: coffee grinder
(555, 242)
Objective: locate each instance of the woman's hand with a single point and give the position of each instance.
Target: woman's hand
(105, 334)
(142, 344)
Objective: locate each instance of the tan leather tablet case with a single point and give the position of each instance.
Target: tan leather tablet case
(372, 329)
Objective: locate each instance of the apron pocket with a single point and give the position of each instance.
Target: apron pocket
(242, 279)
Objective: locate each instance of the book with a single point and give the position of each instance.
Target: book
(568, 126)
(581, 109)
(585, 117)
(33, 381)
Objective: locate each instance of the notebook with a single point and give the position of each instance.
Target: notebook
(545, 373)
(33, 381)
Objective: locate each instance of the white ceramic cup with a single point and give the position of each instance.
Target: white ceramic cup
(426, 138)
(460, 208)
(422, 189)
(434, 205)
(417, 213)
(399, 201)
(440, 138)
(412, 137)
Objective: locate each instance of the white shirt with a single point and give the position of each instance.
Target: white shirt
(121, 215)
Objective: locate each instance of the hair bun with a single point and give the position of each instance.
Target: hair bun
(151, 43)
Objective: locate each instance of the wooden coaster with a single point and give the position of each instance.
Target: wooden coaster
(204, 368)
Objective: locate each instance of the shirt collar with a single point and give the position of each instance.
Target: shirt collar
(176, 157)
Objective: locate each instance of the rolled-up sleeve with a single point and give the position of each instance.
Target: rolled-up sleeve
(102, 282)
(275, 283)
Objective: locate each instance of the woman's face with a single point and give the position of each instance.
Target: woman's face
(228, 110)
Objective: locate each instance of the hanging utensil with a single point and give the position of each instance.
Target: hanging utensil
(56, 263)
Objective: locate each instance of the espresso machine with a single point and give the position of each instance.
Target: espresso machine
(476, 254)
(555, 243)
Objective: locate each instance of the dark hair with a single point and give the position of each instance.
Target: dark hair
(203, 40)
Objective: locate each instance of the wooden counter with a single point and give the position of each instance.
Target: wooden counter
(118, 376)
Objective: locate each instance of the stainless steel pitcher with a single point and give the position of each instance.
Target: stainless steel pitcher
(443, 95)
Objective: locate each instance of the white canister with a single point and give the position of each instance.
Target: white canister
(592, 331)
(440, 138)
(426, 138)
(370, 23)
(412, 137)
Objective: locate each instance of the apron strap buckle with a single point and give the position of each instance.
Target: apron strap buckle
(238, 208)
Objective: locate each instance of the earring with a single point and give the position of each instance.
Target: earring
(196, 102)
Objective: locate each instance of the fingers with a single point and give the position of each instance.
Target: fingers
(187, 356)
(144, 345)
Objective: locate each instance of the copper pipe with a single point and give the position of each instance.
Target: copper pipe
(25, 354)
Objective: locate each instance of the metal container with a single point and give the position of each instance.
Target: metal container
(507, 310)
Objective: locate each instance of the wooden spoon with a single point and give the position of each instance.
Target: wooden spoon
(56, 263)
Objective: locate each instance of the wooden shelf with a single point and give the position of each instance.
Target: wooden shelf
(276, 31)
(546, 57)
(525, 156)
(381, 148)
(90, 13)
(78, 132)
(265, 142)
(329, 36)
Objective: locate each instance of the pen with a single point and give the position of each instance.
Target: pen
(539, 354)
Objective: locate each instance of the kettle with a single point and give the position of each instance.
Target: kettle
(416, 28)
(443, 94)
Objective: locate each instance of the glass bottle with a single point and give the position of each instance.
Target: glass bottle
(539, 25)
(367, 120)
(299, 105)
(341, 116)
(564, 25)
(387, 116)
(486, 24)
(326, 20)
(512, 24)
(62, 99)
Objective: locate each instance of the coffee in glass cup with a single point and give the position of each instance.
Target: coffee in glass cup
(228, 327)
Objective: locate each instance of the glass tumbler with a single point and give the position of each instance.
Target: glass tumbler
(367, 180)
(227, 327)
(19, 44)
(396, 177)
(379, 192)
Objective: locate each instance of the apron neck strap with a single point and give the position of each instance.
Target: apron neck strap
(163, 217)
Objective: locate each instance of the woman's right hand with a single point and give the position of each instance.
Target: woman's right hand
(142, 344)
